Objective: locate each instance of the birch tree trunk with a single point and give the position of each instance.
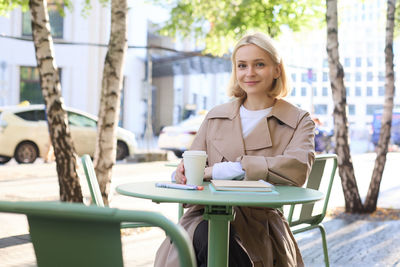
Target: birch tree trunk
(384, 137)
(60, 135)
(106, 142)
(336, 74)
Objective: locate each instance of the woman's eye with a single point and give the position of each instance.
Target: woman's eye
(260, 64)
(241, 66)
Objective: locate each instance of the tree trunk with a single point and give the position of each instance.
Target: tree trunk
(106, 142)
(384, 137)
(336, 74)
(60, 135)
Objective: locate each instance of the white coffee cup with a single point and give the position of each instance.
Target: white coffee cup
(194, 162)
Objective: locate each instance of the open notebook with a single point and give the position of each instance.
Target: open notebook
(244, 186)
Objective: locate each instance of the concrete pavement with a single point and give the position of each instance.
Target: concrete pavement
(352, 240)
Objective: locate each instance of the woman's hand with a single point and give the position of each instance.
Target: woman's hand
(180, 177)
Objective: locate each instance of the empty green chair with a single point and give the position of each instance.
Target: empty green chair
(95, 192)
(322, 172)
(72, 234)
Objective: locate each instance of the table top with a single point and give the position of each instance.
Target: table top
(287, 195)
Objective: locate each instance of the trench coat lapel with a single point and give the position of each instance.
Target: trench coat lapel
(228, 138)
(230, 146)
(260, 136)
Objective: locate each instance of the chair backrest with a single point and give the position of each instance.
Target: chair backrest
(72, 234)
(91, 179)
(324, 168)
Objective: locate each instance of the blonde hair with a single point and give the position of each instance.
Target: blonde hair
(280, 87)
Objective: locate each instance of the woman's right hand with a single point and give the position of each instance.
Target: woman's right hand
(180, 177)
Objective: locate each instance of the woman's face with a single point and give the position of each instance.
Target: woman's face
(255, 70)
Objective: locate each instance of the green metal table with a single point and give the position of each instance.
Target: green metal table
(219, 207)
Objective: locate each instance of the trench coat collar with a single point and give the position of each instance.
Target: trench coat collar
(235, 145)
(282, 110)
(285, 112)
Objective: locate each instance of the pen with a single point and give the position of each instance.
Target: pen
(180, 186)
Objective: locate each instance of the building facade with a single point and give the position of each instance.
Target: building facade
(79, 53)
(361, 49)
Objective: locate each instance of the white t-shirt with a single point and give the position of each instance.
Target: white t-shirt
(250, 118)
(233, 170)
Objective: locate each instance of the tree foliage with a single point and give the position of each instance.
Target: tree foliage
(219, 24)
(8, 5)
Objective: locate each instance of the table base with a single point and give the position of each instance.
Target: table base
(218, 234)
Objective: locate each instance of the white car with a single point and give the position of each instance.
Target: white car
(180, 137)
(24, 134)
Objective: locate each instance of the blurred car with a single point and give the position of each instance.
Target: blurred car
(180, 137)
(24, 134)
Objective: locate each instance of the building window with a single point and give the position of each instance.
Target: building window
(321, 109)
(324, 91)
(369, 91)
(29, 84)
(315, 91)
(347, 76)
(304, 77)
(370, 109)
(325, 63)
(293, 77)
(293, 93)
(324, 76)
(358, 76)
(369, 76)
(358, 62)
(347, 62)
(352, 109)
(358, 91)
(56, 22)
(194, 97)
(347, 91)
(369, 62)
(381, 76)
(303, 91)
(381, 91)
(204, 102)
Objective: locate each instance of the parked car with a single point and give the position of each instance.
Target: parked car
(180, 137)
(24, 134)
(395, 130)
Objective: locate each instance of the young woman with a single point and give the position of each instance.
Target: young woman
(256, 136)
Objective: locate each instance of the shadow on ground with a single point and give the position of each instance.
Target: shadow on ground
(359, 239)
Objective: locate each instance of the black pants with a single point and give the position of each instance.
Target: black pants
(237, 256)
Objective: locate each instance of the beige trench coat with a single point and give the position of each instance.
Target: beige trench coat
(280, 150)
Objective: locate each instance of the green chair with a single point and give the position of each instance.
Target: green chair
(324, 168)
(72, 234)
(95, 192)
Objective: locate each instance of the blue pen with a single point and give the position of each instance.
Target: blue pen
(180, 186)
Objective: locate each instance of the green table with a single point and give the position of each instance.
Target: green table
(218, 207)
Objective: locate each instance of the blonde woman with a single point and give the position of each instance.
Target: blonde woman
(256, 136)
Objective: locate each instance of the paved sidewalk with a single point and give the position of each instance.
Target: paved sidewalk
(352, 240)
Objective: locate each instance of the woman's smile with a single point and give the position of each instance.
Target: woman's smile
(251, 83)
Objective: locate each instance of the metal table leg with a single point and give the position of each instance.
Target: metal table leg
(218, 234)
